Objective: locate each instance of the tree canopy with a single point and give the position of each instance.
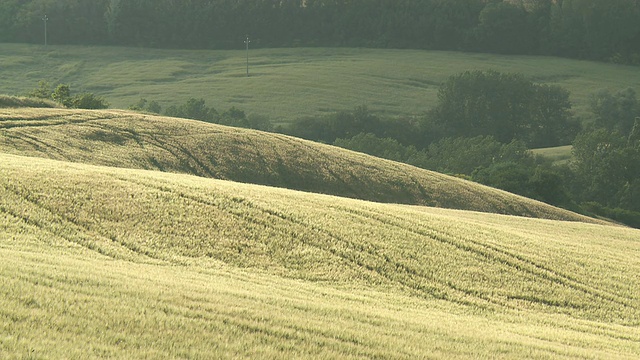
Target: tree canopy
(591, 29)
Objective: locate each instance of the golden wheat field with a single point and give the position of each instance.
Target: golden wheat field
(104, 259)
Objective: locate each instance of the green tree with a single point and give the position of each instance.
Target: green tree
(193, 109)
(371, 144)
(88, 101)
(62, 95)
(506, 106)
(508, 176)
(504, 28)
(599, 162)
(615, 111)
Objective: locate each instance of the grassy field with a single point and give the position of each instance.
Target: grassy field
(128, 139)
(558, 154)
(286, 84)
(105, 262)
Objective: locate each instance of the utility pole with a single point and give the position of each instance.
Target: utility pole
(247, 42)
(45, 19)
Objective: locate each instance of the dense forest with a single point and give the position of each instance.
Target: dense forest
(601, 30)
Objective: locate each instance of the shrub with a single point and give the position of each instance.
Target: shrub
(88, 101)
(62, 95)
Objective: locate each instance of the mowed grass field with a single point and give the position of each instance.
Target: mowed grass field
(131, 140)
(286, 84)
(104, 262)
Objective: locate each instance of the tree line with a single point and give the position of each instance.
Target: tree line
(589, 29)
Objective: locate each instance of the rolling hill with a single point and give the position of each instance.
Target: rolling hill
(131, 235)
(131, 140)
(106, 262)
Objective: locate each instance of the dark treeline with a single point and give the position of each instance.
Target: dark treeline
(590, 29)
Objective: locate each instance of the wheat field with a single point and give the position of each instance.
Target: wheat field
(104, 262)
(131, 140)
(126, 235)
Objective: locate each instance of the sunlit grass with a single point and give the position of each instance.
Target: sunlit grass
(286, 84)
(559, 155)
(106, 262)
(131, 140)
(10, 101)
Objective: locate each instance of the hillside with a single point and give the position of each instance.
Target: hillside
(286, 84)
(131, 140)
(109, 262)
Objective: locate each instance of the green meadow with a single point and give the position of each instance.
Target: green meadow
(286, 84)
(104, 262)
(558, 154)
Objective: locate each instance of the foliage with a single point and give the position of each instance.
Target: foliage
(510, 167)
(386, 148)
(42, 91)
(594, 29)
(341, 124)
(88, 101)
(607, 160)
(616, 111)
(505, 28)
(506, 106)
(464, 155)
(197, 110)
(62, 95)
(627, 217)
(607, 168)
(193, 109)
(148, 106)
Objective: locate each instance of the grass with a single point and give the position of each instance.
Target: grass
(286, 84)
(10, 101)
(110, 262)
(132, 140)
(559, 154)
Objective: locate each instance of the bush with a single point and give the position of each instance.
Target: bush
(384, 148)
(62, 95)
(627, 217)
(88, 101)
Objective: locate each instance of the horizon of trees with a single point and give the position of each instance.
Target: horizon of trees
(600, 30)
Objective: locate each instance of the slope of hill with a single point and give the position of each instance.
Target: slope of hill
(286, 84)
(131, 140)
(108, 262)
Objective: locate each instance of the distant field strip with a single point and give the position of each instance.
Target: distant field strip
(131, 140)
(107, 262)
(286, 84)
